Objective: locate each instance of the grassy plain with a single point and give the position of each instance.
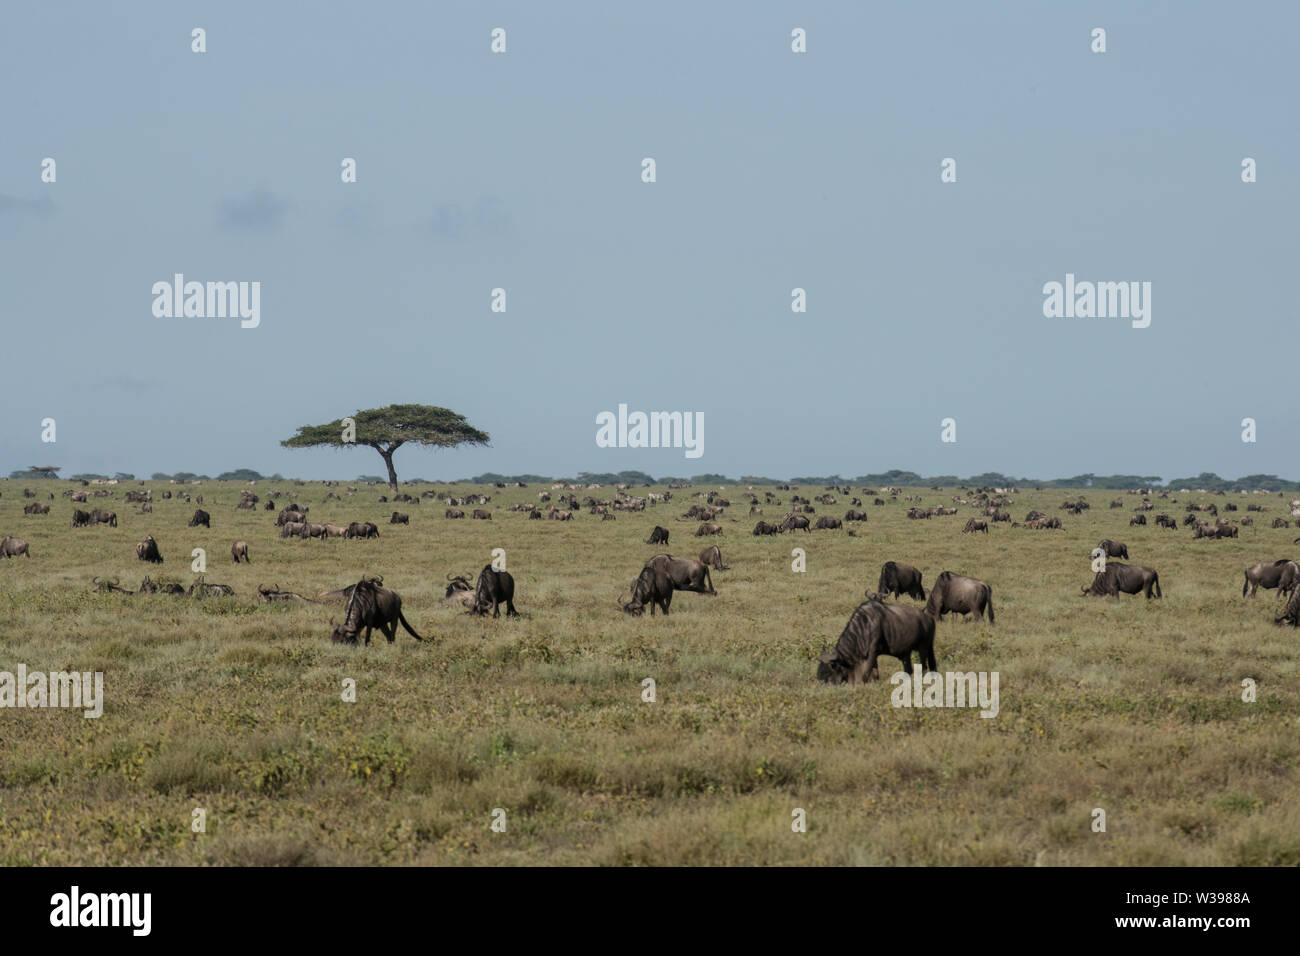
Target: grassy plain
(235, 707)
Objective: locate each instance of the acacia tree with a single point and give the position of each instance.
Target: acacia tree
(388, 429)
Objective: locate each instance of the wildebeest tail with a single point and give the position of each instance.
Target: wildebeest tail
(409, 630)
(1155, 583)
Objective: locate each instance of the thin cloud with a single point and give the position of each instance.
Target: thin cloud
(258, 211)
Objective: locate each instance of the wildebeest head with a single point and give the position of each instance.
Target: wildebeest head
(641, 590)
(459, 583)
(831, 670)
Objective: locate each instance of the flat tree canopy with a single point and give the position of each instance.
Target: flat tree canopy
(388, 429)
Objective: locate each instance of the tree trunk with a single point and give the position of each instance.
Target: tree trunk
(392, 473)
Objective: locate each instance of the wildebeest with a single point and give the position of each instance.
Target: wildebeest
(707, 528)
(240, 550)
(712, 557)
(826, 522)
(1165, 521)
(493, 589)
(201, 588)
(313, 530)
(1281, 523)
(481, 515)
(1128, 578)
(361, 529)
(147, 550)
(853, 514)
(371, 605)
(1291, 613)
(975, 524)
(877, 628)
(335, 530)
(80, 519)
(793, 522)
(11, 547)
(1281, 573)
(100, 516)
(764, 527)
(201, 517)
(149, 586)
(36, 508)
(454, 513)
(273, 594)
(1114, 549)
(662, 575)
(961, 595)
(658, 536)
(561, 515)
(108, 587)
(459, 591)
(290, 514)
(399, 518)
(293, 529)
(896, 579)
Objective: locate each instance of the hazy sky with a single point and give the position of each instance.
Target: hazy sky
(775, 170)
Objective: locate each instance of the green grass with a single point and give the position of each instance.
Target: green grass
(235, 707)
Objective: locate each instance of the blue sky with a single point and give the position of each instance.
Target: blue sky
(775, 171)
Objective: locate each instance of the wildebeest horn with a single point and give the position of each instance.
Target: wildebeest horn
(449, 577)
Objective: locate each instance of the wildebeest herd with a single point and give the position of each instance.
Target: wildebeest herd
(878, 626)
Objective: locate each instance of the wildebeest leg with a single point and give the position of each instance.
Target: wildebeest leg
(390, 631)
(510, 608)
(496, 607)
(931, 662)
(368, 637)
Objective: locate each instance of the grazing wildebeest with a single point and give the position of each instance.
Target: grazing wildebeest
(149, 586)
(707, 528)
(1165, 521)
(313, 530)
(11, 547)
(398, 518)
(481, 515)
(795, 522)
(853, 514)
(371, 605)
(961, 595)
(877, 628)
(361, 529)
(202, 588)
(975, 524)
(764, 527)
(1281, 573)
(493, 589)
(896, 579)
(1128, 578)
(108, 587)
(1114, 549)
(100, 516)
(201, 517)
(293, 529)
(454, 513)
(335, 530)
(826, 522)
(240, 550)
(1137, 519)
(658, 536)
(1281, 523)
(662, 575)
(35, 508)
(147, 550)
(712, 557)
(80, 519)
